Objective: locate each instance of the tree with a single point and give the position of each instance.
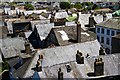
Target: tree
(72, 6)
(29, 7)
(78, 6)
(65, 5)
(13, 4)
(5, 66)
(95, 7)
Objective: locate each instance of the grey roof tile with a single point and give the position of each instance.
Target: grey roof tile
(63, 54)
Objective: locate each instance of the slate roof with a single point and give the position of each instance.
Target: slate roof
(3, 31)
(84, 19)
(59, 15)
(37, 22)
(72, 23)
(13, 61)
(113, 23)
(22, 70)
(44, 29)
(10, 21)
(45, 16)
(2, 23)
(71, 32)
(62, 55)
(12, 12)
(27, 34)
(81, 70)
(117, 36)
(11, 47)
(33, 11)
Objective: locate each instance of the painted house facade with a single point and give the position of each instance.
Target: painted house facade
(105, 30)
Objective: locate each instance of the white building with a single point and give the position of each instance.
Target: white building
(105, 30)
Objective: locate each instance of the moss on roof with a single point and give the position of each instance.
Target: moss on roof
(71, 18)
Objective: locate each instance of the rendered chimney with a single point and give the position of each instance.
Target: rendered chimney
(79, 58)
(27, 47)
(78, 32)
(99, 67)
(91, 21)
(60, 74)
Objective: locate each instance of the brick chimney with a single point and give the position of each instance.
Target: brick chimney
(78, 32)
(99, 67)
(27, 47)
(79, 58)
(60, 74)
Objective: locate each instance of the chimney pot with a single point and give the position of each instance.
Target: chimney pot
(38, 65)
(41, 56)
(68, 68)
(60, 74)
(101, 51)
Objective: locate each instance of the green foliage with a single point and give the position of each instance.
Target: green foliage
(71, 6)
(78, 6)
(88, 4)
(5, 66)
(65, 5)
(29, 7)
(95, 7)
(13, 4)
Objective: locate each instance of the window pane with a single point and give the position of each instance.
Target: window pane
(108, 32)
(102, 39)
(98, 30)
(113, 33)
(108, 41)
(102, 31)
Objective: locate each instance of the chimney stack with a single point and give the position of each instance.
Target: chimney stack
(101, 51)
(27, 47)
(60, 74)
(38, 65)
(91, 21)
(79, 58)
(104, 16)
(52, 17)
(98, 67)
(78, 32)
